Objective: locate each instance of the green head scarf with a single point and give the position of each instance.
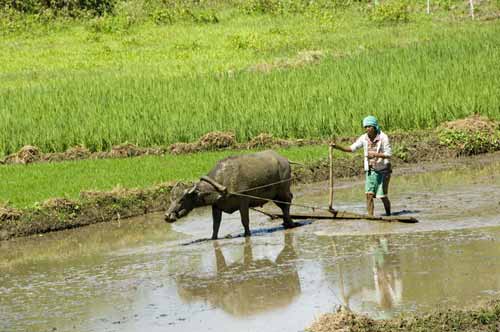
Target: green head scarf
(371, 121)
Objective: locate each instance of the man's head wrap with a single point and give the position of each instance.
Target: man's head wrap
(372, 122)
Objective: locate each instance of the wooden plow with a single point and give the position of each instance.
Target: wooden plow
(331, 213)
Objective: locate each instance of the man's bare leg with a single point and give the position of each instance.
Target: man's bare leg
(387, 205)
(369, 204)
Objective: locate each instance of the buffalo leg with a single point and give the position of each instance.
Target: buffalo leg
(247, 253)
(219, 259)
(245, 217)
(285, 208)
(216, 217)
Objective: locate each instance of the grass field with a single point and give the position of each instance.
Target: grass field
(25, 185)
(154, 85)
(101, 81)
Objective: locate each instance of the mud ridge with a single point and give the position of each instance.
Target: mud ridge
(472, 135)
(211, 141)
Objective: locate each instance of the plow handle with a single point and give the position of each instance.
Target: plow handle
(330, 157)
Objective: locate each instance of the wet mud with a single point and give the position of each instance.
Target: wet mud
(133, 275)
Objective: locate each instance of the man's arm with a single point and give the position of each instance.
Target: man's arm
(387, 150)
(341, 148)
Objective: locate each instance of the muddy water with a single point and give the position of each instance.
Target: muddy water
(136, 275)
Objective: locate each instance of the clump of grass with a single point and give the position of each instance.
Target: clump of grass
(393, 11)
(484, 318)
(470, 143)
(472, 135)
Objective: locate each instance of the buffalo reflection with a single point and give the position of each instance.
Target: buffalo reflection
(248, 287)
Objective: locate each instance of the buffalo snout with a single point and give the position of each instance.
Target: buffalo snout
(170, 217)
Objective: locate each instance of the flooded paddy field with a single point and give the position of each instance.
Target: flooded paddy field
(137, 274)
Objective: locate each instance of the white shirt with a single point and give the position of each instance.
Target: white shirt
(382, 146)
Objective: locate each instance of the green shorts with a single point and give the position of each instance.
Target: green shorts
(377, 183)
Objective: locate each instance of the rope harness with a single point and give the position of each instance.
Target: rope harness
(223, 190)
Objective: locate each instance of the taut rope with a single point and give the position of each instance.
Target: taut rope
(217, 187)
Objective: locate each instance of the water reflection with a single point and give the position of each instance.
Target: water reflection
(249, 286)
(386, 274)
(365, 273)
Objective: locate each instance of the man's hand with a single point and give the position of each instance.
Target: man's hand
(372, 154)
(333, 144)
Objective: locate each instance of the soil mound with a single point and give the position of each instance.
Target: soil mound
(9, 214)
(181, 148)
(264, 140)
(28, 154)
(126, 150)
(60, 204)
(78, 152)
(485, 317)
(472, 124)
(74, 153)
(472, 135)
(342, 321)
(215, 140)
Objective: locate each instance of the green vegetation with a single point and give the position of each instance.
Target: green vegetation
(470, 143)
(97, 73)
(486, 317)
(24, 185)
(158, 72)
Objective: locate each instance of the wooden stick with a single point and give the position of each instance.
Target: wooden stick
(330, 156)
(471, 3)
(325, 215)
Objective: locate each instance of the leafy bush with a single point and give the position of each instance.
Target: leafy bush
(261, 6)
(71, 7)
(395, 11)
(280, 7)
(170, 13)
(470, 143)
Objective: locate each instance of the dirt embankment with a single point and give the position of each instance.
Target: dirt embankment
(470, 136)
(485, 317)
(209, 142)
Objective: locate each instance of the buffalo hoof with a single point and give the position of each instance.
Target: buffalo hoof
(291, 224)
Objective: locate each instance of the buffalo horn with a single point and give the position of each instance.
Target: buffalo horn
(219, 187)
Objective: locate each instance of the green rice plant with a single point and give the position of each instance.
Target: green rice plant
(25, 185)
(157, 85)
(408, 88)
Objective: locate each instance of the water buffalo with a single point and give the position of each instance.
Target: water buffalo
(263, 174)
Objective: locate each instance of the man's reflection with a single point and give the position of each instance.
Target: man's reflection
(386, 275)
(248, 287)
(372, 278)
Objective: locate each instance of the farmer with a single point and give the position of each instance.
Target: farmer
(377, 151)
